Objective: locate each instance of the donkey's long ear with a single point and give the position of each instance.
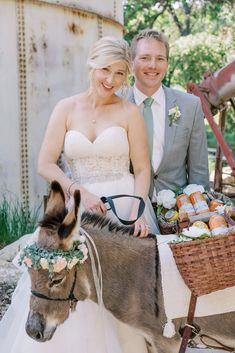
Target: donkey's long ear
(71, 222)
(56, 200)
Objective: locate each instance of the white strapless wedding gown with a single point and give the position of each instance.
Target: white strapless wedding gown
(102, 167)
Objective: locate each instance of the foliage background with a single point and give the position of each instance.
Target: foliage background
(201, 35)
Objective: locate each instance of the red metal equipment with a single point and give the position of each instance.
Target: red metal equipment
(215, 91)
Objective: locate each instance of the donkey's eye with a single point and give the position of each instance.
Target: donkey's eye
(56, 282)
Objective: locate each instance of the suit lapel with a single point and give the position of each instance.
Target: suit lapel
(169, 130)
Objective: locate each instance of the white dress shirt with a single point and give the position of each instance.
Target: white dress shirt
(158, 109)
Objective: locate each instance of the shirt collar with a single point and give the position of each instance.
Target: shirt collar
(158, 96)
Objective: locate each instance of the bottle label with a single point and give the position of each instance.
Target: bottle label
(201, 205)
(220, 230)
(188, 208)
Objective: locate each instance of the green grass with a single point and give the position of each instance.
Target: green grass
(15, 220)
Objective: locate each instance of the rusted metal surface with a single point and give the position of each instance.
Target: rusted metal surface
(111, 10)
(219, 87)
(193, 88)
(43, 59)
(9, 121)
(215, 92)
(22, 75)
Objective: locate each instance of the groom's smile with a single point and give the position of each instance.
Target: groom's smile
(150, 64)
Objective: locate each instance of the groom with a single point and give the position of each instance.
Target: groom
(174, 119)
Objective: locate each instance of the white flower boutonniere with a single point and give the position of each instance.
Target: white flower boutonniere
(174, 115)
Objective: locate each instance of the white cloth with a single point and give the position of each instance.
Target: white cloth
(102, 167)
(158, 109)
(176, 294)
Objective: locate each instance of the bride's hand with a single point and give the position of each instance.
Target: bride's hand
(92, 203)
(141, 228)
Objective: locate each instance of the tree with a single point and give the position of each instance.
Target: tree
(194, 55)
(185, 17)
(201, 33)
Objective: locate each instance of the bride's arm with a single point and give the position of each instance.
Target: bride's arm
(51, 149)
(137, 137)
(53, 144)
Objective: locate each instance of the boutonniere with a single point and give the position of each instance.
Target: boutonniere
(174, 115)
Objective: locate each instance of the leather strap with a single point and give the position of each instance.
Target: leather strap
(221, 345)
(188, 327)
(109, 200)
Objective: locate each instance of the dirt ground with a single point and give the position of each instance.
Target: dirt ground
(6, 291)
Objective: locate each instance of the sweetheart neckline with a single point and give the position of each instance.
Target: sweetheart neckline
(97, 137)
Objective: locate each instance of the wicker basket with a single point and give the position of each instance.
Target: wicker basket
(167, 227)
(214, 195)
(206, 265)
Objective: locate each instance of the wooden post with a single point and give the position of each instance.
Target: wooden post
(188, 329)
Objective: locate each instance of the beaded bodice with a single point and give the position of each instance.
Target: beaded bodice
(106, 158)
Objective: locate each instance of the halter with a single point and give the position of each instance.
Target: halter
(73, 300)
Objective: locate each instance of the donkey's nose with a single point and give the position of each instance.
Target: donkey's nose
(35, 327)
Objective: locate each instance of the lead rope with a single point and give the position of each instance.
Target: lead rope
(97, 275)
(221, 345)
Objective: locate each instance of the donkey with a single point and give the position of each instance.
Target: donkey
(131, 279)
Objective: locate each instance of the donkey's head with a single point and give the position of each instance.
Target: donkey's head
(52, 265)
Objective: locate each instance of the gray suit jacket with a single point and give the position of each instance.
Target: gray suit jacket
(185, 156)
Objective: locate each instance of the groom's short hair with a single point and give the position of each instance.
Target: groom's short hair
(147, 34)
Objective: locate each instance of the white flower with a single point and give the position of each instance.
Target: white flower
(193, 188)
(220, 209)
(195, 232)
(72, 263)
(174, 115)
(44, 263)
(82, 238)
(166, 198)
(84, 249)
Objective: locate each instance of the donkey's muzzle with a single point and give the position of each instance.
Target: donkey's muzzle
(36, 328)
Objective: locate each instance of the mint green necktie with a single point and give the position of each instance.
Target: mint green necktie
(148, 118)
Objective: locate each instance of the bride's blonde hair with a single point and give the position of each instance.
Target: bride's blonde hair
(107, 51)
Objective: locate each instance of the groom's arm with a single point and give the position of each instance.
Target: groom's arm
(197, 162)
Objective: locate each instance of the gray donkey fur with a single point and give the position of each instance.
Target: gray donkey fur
(131, 280)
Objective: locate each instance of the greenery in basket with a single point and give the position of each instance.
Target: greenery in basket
(15, 220)
(182, 237)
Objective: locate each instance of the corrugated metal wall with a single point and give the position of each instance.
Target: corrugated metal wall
(43, 51)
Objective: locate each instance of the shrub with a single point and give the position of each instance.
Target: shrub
(15, 220)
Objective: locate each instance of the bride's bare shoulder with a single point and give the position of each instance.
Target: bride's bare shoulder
(131, 109)
(70, 102)
(126, 104)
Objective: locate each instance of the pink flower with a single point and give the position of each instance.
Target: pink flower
(59, 264)
(84, 259)
(28, 262)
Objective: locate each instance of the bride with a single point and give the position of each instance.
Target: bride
(99, 133)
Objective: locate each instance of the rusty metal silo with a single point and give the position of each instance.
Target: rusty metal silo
(43, 50)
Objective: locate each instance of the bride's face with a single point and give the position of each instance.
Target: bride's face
(108, 80)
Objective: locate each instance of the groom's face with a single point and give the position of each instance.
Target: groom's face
(149, 65)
